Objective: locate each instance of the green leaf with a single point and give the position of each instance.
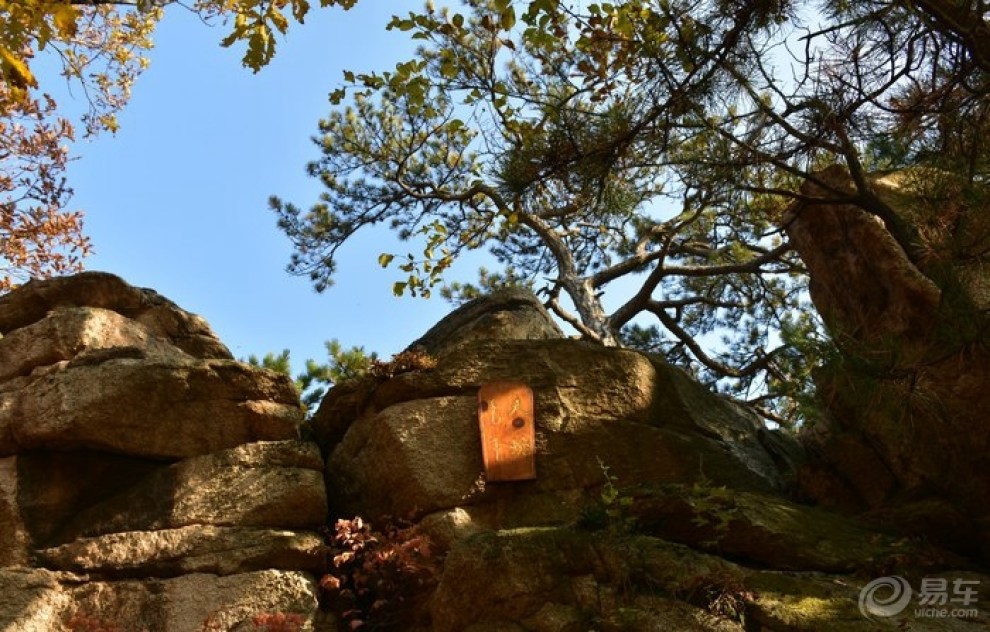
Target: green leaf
(402, 25)
(398, 288)
(448, 69)
(508, 19)
(384, 259)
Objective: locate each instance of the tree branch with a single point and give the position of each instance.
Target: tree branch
(969, 26)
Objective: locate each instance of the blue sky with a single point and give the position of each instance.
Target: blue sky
(177, 200)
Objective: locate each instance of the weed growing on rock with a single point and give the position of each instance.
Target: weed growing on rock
(714, 508)
(477, 489)
(612, 510)
(721, 593)
(378, 577)
(403, 362)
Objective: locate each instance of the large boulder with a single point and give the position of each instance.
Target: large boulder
(863, 283)
(43, 601)
(561, 579)
(510, 314)
(83, 358)
(72, 331)
(133, 448)
(260, 485)
(647, 485)
(170, 408)
(410, 447)
(186, 550)
(34, 300)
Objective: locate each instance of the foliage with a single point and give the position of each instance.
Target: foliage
(378, 575)
(657, 141)
(37, 236)
(488, 282)
(611, 512)
(342, 365)
(714, 509)
(100, 48)
(312, 383)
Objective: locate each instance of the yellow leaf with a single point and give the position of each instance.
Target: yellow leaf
(65, 16)
(278, 20)
(16, 71)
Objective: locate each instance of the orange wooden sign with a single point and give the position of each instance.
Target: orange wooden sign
(508, 431)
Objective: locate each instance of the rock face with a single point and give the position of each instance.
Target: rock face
(647, 484)
(509, 314)
(906, 433)
(150, 482)
(409, 446)
(555, 579)
(414, 450)
(36, 600)
(147, 480)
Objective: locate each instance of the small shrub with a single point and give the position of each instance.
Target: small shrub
(403, 362)
(721, 593)
(378, 577)
(612, 510)
(714, 508)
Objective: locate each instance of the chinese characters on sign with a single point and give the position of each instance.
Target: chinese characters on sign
(508, 431)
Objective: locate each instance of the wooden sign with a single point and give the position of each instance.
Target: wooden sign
(508, 431)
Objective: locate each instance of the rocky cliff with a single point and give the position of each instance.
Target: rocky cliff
(150, 482)
(147, 479)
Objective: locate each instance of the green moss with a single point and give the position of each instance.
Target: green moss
(796, 601)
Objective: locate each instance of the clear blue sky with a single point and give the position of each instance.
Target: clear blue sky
(177, 200)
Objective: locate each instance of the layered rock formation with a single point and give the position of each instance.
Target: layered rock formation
(409, 446)
(150, 482)
(146, 476)
(647, 486)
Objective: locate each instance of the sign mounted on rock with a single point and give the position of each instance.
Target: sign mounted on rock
(508, 431)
